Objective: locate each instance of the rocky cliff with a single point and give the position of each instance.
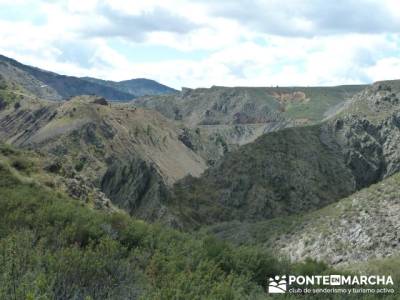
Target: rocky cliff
(239, 115)
(246, 105)
(106, 145)
(300, 169)
(356, 229)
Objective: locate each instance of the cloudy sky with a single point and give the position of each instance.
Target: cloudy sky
(199, 43)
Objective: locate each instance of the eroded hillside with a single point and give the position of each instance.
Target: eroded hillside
(358, 228)
(241, 105)
(300, 169)
(99, 143)
(239, 115)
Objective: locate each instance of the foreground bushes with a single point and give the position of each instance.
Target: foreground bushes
(52, 247)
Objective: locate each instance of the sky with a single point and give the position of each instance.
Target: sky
(200, 43)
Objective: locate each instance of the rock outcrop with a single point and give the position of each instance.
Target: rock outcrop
(363, 226)
(356, 229)
(236, 116)
(85, 140)
(300, 169)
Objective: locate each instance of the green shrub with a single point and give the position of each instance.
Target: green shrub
(7, 150)
(311, 267)
(22, 164)
(52, 247)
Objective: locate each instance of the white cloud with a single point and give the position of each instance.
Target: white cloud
(311, 17)
(239, 51)
(385, 69)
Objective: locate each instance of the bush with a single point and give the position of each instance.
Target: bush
(7, 150)
(22, 164)
(3, 104)
(311, 267)
(54, 248)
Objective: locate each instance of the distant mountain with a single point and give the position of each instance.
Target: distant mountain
(138, 87)
(233, 116)
(250, 105)
(52, 86)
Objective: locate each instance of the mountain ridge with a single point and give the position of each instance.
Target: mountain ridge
(138, 86)
(298, 169)
(95, 143)
(52, 86)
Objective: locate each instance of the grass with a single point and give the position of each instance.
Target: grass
(256, 102)
(321, 99)
(9, 95)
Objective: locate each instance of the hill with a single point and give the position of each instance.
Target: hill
(356, 229)
(300, 169)
(239, 115)
(245, 105)
(139, 158)
(138, 87)
(51, 86)
(131, 154)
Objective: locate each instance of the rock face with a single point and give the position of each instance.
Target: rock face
(133, 184)
(285, 172)
(18, 125)
(78, 188)
(242, 105)
(299, 169)
(363, 226)
(95, 142)
(139, 189)
(370, 133)
(230, 117)
(356, 229)
(100, 101)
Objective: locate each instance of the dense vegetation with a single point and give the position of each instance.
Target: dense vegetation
(282, 173)
(54, 247)
(8, 95)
